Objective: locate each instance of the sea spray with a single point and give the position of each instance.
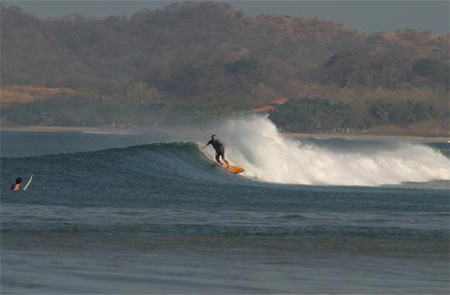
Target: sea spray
(267, 155)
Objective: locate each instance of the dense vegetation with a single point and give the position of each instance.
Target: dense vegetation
(192, 61)
(324, 115)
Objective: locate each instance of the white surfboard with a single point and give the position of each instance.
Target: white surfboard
(28, 183)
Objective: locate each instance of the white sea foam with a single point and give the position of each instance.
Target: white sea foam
(255, 144)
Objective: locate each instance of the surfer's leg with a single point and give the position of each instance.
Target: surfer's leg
(228, 164)
(218, 158)
(222, 154)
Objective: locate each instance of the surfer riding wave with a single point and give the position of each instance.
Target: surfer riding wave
(220, 149)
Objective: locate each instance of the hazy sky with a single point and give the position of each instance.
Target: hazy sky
(361, 15)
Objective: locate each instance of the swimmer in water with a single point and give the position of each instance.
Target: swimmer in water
(16, 186)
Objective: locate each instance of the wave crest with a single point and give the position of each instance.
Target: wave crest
(255, 144)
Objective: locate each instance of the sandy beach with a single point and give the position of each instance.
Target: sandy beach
(373, 137)
(55, 129)
(358, 137)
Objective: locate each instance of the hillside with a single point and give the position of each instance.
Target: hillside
(203, 59)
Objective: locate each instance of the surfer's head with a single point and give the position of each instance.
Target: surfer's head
(213, 136)
(18, 180)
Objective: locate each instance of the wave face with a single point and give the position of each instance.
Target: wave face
(255, 144)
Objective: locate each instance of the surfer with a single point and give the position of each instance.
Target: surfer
(16, 186)
(220, 149)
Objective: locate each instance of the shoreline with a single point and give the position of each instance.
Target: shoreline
(319, 136)
(373, 137)
(49, 129)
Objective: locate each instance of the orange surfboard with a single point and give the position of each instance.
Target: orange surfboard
(234, 169)
(231, 169)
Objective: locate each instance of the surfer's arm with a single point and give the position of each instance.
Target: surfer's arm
(209, 142)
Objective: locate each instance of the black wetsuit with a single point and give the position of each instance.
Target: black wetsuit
(220, 149)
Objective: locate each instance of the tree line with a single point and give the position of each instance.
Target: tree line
(204, 59)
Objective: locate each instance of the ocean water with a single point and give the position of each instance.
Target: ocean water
(149, 214)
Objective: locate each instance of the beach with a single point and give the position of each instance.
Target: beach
(412, 137)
